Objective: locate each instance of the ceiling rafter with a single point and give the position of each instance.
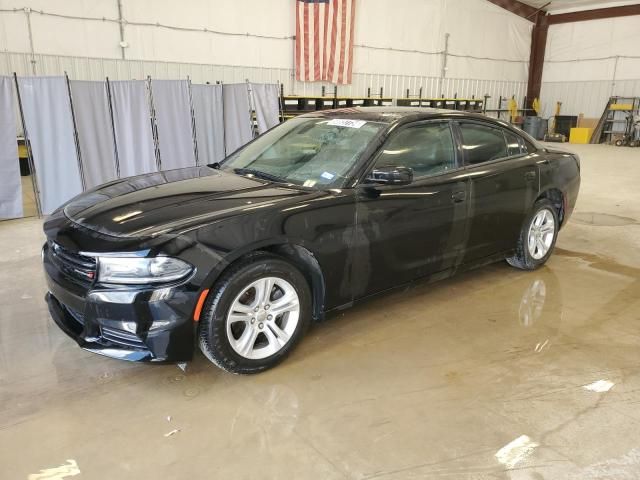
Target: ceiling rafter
(595, 14)
(521, 9)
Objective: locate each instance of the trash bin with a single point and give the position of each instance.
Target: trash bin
(536, 127)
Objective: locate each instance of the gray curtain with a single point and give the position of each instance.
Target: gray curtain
(173, 115)
(95, 132)
(266, 104)
(207, 109)
(237, 116)
(132, 124)
(10, 182)
(47, 114)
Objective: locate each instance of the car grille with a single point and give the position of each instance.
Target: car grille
(78, 267)
(121, 337)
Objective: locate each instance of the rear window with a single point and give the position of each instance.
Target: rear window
(514, 146)
(482, 143)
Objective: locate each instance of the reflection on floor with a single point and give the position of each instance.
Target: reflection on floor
(496, 373)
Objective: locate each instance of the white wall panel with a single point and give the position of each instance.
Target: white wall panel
(262, 31)
(394, 85)
(587, 62)
(482, 29)
(274, 18)
(93, 8)
(270, 18)
(572, 48)
(392, 43)
(55, 35)
(629, 68)
(496, 34)
(14, 35)
(588, 98)
(60, 35)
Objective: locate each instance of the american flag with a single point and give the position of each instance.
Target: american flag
(324, 40)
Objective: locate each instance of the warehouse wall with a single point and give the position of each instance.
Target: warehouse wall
(398, 44)
(587, 62)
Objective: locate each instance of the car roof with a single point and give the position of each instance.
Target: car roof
(394, 115)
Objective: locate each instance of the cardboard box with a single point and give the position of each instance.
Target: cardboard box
(586, 122)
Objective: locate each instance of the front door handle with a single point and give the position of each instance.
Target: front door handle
(530, 175)
(458, 197)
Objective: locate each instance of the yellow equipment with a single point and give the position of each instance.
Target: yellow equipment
(536, 106)
(580, 135)
(513, 109)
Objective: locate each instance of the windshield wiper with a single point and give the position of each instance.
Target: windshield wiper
(259, 174)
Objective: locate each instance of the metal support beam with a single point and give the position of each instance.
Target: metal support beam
(596, 14)
(536, 57)
(521, 9)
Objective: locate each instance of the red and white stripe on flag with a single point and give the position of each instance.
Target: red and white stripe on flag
(324, 40)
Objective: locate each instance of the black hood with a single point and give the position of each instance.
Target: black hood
(148, 205)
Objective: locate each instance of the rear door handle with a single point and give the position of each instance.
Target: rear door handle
(530, 175)
(458, 197)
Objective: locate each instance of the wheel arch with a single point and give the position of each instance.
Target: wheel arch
(307, 263)
(557, 198)
(299, 256)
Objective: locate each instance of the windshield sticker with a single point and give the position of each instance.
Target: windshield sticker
(309, 183)
(327, 175)
(343, 122)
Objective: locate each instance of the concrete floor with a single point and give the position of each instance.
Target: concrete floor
(495, 374)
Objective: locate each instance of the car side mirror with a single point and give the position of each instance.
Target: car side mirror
(391, 175)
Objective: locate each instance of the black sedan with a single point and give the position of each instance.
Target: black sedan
(320, 212)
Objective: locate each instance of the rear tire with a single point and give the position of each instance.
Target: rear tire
(537, 238)
(255, 315)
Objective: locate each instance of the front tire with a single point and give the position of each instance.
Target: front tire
(537, 238)
(255, 315)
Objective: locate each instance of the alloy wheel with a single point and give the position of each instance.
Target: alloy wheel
(541, 233)
(263, 318)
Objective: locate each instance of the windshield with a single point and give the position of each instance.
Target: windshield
(312, 152)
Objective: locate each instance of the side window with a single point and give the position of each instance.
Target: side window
(482, 143)
(513, 143)
(427, 149)
(528, 147)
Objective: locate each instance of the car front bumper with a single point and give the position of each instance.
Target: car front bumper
(149, 325)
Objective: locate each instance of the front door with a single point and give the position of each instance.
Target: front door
(405, 232)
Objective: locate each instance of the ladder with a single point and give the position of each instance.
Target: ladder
(613, 121)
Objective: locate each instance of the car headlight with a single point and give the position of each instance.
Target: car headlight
(140, 270)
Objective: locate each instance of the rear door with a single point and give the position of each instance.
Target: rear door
(410, 231)
(503, 186)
